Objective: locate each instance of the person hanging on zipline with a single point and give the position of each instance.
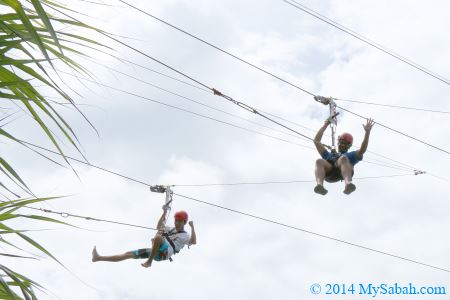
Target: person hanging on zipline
(168, 241)
(338, 166)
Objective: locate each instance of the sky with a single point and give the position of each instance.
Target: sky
(238, 257)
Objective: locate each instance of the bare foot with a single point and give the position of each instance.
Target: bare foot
(147, 264)
(95, 254)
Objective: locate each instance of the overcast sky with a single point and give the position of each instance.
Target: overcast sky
(238, 257)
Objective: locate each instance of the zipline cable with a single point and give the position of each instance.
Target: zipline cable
(193, 113)
(366, 40)
(223, 122)
(217, 48)
(278, 182)
(397, 131)
(313, 233)
(216, 92)
(265, 71)
(65, 215)
(236, 116)
(393, 160)
(393, 106)
(154, 71)
(264, 219)
(195, 101)
(241, 104)
(149, 185)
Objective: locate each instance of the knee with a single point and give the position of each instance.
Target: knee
(158, 238)
(343, 160)
(320, 162)
(128, 254)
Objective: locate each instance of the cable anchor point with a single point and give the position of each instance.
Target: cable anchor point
(217, 92)
(419, 172)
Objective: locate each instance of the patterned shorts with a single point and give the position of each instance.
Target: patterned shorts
(145, 252)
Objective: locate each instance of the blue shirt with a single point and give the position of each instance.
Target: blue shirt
(352, 156)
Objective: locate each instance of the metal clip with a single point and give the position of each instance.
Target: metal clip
(158, 188)
(323, 100)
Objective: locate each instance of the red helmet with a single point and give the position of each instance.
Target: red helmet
(347, 137)
(181, 215)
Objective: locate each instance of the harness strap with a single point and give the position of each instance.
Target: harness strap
(167, 235)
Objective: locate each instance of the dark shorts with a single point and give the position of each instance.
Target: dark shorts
(335, 174)
(162, 254)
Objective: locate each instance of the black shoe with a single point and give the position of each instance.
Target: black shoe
(319, 189)
(349, 188)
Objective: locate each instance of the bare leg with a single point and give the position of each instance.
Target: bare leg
(322, 167)
(156, 243)
(112, 258)
(347, 173)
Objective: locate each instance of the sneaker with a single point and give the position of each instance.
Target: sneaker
(319, 189)
(349, 188)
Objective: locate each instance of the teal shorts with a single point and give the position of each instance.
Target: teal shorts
(145, 252)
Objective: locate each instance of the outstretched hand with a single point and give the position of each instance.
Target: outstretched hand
(369, 124)
(191, 223)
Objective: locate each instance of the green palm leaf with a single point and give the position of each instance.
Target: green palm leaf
(43, 15)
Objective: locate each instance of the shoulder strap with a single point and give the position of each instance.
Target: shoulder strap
(167, 237)
(174, 231)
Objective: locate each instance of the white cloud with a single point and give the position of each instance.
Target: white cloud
(239, 257)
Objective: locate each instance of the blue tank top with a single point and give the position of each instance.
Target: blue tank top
(352, 156)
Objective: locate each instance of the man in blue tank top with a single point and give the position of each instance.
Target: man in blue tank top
(338, 166)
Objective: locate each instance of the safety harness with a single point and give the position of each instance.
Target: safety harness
(332, 118)
(167, 206)
(167, 236)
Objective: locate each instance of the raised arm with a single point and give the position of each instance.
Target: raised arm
(317, 139)
(160, 225)
(193, 239)
(367, 128)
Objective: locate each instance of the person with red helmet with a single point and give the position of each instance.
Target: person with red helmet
(167, 242)
(338, 166)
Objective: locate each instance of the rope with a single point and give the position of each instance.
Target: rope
(216, 92)
(394, 106)
(366, 40)
(281, 182)
(66, 215)
(220, 121)
(253, 110)
(188, 99)
(196, 114)
(217, 48)
(399, 132)
(228, 209)
(194, 86)
(223, 122)
(63, 214)
(154, 71)
(317, 15)
(314, 233)
(241, 104)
